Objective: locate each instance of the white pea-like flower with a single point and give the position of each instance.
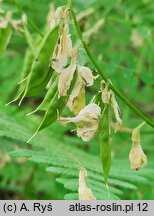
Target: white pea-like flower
(137, 157)
(87, 121)
(57, 17)
(84, 191)
(86, 74)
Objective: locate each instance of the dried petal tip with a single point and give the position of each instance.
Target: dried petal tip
(76, 100)
(85, 192)
(105, 93)
(86, 74)
(136, 156)
(116, 109)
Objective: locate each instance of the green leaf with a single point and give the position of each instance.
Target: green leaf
(49, 95)
(37, 71)
(51, 113)
(39, 86)
(49, 151)
(104, 139)
(42, 62)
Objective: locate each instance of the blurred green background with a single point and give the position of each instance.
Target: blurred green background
(48, 169)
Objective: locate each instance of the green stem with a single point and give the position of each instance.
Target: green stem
(101, 72)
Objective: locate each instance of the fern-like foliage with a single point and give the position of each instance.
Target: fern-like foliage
(65, 159)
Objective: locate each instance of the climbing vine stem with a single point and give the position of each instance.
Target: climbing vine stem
(103, 76)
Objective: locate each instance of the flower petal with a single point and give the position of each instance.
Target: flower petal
(85, 192)
(75, 93)
(58, 15)
(87, 75)
(88, 132)
(77, 98)
(87, 121)
(136, 156)
(105, 93)
(66, 77)
(63, 51)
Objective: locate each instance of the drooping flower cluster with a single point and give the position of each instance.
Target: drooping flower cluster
(64, 62)
(87, 117)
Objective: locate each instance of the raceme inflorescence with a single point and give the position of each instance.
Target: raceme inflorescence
(51, 63)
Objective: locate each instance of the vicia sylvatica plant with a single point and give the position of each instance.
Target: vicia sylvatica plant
(51, 63)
